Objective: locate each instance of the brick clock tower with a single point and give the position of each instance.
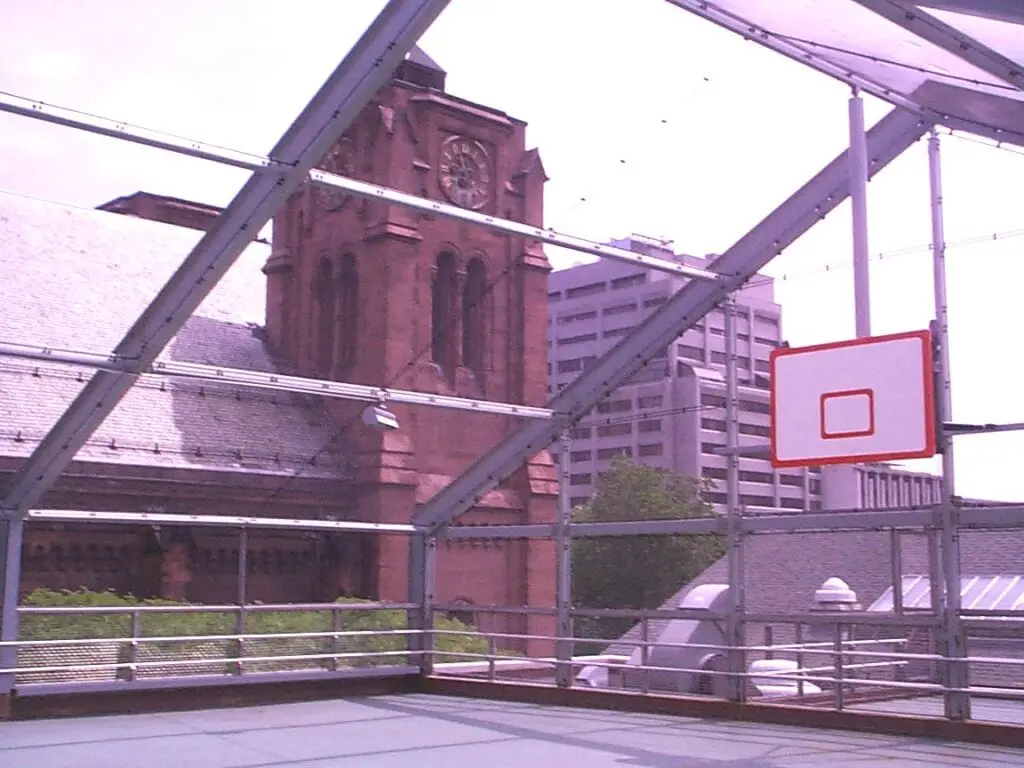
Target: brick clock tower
(372, 293)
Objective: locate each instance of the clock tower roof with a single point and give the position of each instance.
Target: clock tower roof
(420, 69)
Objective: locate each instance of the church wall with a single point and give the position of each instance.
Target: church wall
(197, 564)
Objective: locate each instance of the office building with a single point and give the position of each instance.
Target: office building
(672, 414)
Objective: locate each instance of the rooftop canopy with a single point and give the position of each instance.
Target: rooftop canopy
(960, 61)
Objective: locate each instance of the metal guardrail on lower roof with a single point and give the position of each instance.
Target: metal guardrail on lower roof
(855, 667)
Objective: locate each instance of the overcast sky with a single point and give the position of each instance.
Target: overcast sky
(649, 121)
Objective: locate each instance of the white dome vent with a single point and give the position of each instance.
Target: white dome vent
(835, 590)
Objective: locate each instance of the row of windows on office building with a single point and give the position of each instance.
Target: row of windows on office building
(614, 333)
(577, 364)
(594, 289)
(713, 473)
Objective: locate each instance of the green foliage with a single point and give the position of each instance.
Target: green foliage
(639, 572)
(118, 625)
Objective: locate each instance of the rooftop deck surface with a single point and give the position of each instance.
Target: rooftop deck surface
(426, 731)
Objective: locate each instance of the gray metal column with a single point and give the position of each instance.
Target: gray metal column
(367, 67)
(563, 572)
(242, 579)
(12, 533)
(957, 704)
(896, 561)
(422, 578)
(859, 210)
(734, 534)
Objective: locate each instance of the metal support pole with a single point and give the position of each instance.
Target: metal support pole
(734, 535)
(422, 577)
(859, 207)
(563, 569)
(12, 533)
(957, 701)
(896, 559)
(242, 581)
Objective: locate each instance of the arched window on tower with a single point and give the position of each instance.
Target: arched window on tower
(348, 314)
(474, 325)
(325, 318)
(443, 292)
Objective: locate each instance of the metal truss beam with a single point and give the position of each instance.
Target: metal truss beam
(549, 236)
(216, 521)
(366, 68)
(982, 518)
(1010, 11)
(937, 32)
(887, 140)
(105, 127)
(271, 381)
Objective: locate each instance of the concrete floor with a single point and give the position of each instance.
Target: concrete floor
(997, 711)
(425, 731)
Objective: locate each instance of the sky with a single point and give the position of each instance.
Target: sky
(649, 121)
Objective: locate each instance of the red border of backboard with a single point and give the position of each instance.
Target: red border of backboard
(851, 433)
(929, 402)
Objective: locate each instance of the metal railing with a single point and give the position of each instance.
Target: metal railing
(96, 645)
(841, 661)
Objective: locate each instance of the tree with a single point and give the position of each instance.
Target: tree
(638, 572)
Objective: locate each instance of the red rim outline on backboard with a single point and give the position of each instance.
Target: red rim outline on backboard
(839, 395)
(930, 445)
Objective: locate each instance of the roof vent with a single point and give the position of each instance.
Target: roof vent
(835, 590)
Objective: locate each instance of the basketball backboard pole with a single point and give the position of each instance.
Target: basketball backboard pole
(858, 160)
(734, 533)
(859, 215)
(957, 700)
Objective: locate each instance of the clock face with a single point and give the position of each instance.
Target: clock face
(465, 172)
(337, 161)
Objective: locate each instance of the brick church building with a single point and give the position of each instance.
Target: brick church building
(350, 290)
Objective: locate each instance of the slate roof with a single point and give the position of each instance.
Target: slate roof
(76, 279)
(782, 571)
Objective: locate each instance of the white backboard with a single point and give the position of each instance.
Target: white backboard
(854, 401)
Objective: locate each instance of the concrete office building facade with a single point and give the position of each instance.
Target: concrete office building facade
(672, 413)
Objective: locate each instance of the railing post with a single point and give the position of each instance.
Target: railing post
(491, 650)
(769, 641)
(422, 570)
(132, 672)
(800, 658)
(242, 584)
(563, 566)
(335, 638)
(838, 654)
(645, 636)
(12, 533)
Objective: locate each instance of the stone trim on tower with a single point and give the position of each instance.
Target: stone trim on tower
(444, 292)
(336, 315)
(475, 325)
